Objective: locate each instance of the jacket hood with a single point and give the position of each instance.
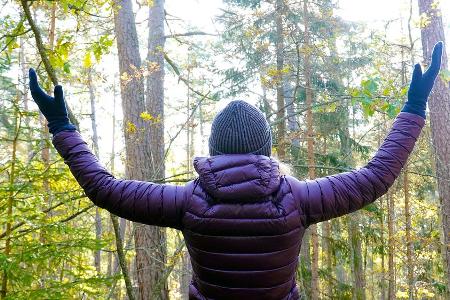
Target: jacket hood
(240, 177)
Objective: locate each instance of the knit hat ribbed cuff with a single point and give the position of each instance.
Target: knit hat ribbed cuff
(240, 128)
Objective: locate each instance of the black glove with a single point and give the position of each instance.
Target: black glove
(421, 84)
(53, 109)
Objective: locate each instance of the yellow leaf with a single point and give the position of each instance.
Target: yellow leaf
(435, 4)
(87, 62)
(124, 76)
(131, 127)
(332, 107)
(401, 295)
(146, 116)
(424, 20)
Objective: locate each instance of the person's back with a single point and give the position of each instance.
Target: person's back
(242, 228)
(242, 221)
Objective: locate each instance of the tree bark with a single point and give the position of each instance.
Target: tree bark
(98, 218)
(45, 136)
(310, 152)
(138, 165)
(383, 268)
(151, 237)
(290, 109)
(357, 262)
(281, 111)
(121, 257)
(185, 268)
(326, 245)
(354, 233)
(409, 245)
(327, 251)
(391, 247)
(10, 199)
(439, 106)
(24, 71)
(120, 228)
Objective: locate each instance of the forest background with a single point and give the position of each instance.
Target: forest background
(144, 78)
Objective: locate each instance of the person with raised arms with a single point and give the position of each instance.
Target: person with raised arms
(243, 222)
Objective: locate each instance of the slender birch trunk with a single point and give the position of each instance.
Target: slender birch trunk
(439, 106)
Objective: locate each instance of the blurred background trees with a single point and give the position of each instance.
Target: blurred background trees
(144, 83)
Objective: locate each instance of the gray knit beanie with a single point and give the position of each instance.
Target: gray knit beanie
(238, 129)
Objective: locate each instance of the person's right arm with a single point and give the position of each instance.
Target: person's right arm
(333, 196)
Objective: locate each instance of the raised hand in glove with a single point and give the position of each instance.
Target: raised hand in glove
(421, 84)
(53, 108)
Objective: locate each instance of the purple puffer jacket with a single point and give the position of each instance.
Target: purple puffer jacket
(243, 222)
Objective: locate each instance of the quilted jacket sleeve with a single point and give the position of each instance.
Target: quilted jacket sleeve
(144, 202)
(333, 196)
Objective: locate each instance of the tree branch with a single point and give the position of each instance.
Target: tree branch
(42, 52)
(45, 211)
(192, 33)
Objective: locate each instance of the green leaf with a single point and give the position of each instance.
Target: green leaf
(66, 67)
(445, 75)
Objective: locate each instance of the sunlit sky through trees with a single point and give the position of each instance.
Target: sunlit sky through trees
(199, 15)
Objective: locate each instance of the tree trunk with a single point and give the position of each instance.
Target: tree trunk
(353, 219)
(45, 155)
(439, 106)
(45, 140)
(98, 217)
(383, 268)
(327, 251)
(409, 245)
(290, 110)
(281, 125)
(202, 129)
(24, 71)
(185, 268)
(122, 223)
(305, 266)
(121, 257)
(152, 237)
(310, 153)
(10, 200)
(138, 165)
(326, 245)
(391, 247)
(356, 257)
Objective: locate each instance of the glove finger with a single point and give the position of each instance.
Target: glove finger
(436, 58)
(59, 95)
(34, 85)
(417, 73)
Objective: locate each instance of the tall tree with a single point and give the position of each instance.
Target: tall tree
(138, 163)
(281, 105)
(10, 203)
(354, 219)
(310, 147)
(439, 105)
(391, 247)
(154, 237)
(98, 217)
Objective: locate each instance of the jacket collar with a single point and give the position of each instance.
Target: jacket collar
(239, 177)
